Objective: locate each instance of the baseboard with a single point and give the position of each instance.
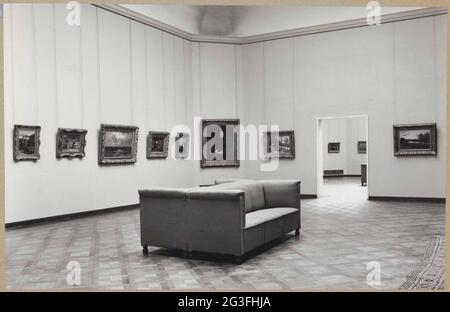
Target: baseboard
(342, 175)
(308, 196)
(70, 216)
(409, 199)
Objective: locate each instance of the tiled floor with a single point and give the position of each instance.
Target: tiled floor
(341, 233)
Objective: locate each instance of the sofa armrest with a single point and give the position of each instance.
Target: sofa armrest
(216, 221)
(163, 217)
(282, 193)
(162, 193)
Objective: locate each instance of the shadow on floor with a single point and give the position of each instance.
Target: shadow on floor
(206, 256)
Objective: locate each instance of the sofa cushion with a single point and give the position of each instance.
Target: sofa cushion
(260, 216)
(254, 193)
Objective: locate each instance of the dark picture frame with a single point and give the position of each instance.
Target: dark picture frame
(157, 144)
(70, 143)
(415, 139)
(286, 144)
(334, 147)
(182, 145)
(117, 144)
(362, 147)
(218, 158)
(26, 142)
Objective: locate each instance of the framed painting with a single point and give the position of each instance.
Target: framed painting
(117, 144)
(415, 140)
(181, 145)
(280, 144)
(362, 147)
(334, 147)
(220, 143)
(157, 144)
(70, 143)
(26, 142)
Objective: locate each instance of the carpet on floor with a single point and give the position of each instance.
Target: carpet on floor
(429, 274)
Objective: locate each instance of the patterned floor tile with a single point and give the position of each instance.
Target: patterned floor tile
(341, 232)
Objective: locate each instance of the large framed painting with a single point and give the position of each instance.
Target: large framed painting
(280, 144)
(157, 144)
(415, 139)
(362, 147)
(70, 143)
(334, 147)
(181, 145)
(117, 144)
(26, 142)
(220, 143)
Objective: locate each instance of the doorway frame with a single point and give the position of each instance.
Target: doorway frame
(319, 149)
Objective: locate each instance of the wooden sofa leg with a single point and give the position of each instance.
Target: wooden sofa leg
(297, 232)
(145, 250)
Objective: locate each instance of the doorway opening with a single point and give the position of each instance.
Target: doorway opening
(342, 157)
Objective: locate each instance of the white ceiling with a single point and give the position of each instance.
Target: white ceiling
(242, 21)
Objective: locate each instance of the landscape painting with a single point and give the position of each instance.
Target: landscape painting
(281, 144)
(26, 142)
(334, 147)
(118, 144)
(420, 139)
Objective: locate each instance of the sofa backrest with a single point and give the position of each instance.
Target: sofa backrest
(281, 193)
(254, 193)
(277, 193)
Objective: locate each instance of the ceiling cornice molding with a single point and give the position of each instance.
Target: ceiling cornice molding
(138, 17)
(354, 23)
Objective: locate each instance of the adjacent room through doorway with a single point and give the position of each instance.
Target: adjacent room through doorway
(342, 157)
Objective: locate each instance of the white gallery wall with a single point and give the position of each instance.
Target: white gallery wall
(216, 95)
(356, 129)
(108, 70)
(346, 131)
(395, 73)
(115, 70)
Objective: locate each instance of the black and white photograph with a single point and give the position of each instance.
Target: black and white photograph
(362, 147)
(118, 144)
(215, 147)
(70, 143)
(334, 147)
(157, 144)
(26, 142)
(418, 139)
(280, 144)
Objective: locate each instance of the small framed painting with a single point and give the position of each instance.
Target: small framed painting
(26, 142)
(334, 147)
(415, 140)
(70, 143)
(157, 144)
(181, 145)
(117, 144)
(280, 144)
(362, 147)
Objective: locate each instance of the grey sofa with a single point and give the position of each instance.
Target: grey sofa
(231, 217)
